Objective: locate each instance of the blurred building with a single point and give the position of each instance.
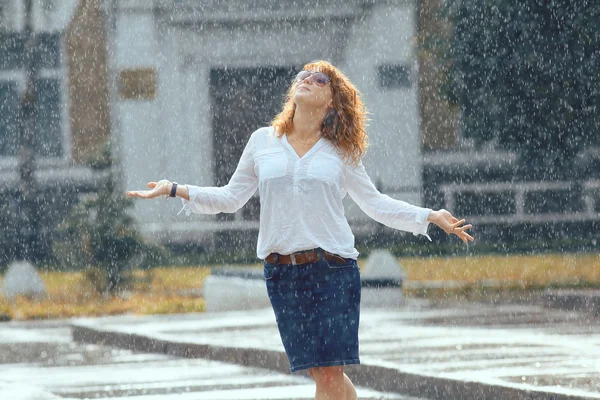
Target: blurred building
(191, 80)
(70, 110)
(197, 78)
(179, 85)
(71, 115)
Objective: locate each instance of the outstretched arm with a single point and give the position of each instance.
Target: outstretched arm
(398, 214)
(212, 200)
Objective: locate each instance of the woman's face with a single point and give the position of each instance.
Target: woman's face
(313, 89)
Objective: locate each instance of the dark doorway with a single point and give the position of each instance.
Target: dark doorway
(243, 100)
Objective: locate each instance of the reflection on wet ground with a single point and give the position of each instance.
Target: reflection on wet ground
(526, 347)
(38, 361)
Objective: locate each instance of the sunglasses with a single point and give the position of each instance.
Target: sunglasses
(319, 78)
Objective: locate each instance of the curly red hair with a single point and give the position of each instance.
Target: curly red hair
(345, 126)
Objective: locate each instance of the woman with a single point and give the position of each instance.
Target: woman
(303, 166)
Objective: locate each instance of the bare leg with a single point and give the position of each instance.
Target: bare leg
(350, 390)
(332, 384)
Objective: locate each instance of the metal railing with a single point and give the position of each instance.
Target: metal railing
(518, 190)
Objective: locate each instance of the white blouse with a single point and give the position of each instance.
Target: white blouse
(301, 198)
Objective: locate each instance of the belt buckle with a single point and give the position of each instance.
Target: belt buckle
(293, 258)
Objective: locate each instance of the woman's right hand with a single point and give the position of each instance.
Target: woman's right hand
(160, 188)
(450, 224)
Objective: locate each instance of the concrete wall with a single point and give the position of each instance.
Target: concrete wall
(385, 36)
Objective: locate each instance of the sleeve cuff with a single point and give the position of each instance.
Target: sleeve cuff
(189, 204)
(422, 223)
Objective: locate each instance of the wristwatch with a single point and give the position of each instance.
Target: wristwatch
(173, 190)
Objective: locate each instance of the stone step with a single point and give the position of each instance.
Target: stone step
(416, 350)
(41, 362)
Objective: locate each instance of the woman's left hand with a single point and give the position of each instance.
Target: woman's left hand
(450, 224)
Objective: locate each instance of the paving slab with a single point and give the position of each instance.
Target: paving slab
(574, 299)
(438, 351)
(39, 361)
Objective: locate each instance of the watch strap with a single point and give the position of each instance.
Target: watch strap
(173, 190)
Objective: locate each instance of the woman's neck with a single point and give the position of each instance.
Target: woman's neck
(307, 123)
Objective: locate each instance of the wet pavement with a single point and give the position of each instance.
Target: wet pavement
(40, 361)
(460, 350)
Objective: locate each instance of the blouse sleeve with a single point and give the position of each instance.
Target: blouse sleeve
(228, 198)
(396, 214)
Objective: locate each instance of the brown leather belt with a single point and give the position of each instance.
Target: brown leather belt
(304, 257)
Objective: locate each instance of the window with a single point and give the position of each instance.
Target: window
(48, 128)
(6, 22)
(9, 107)
(394, 76)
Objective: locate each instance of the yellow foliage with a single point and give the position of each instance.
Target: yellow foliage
(174, 290)
(70, 294)
(522, 270)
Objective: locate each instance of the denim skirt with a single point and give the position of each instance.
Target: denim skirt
(317, 308)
